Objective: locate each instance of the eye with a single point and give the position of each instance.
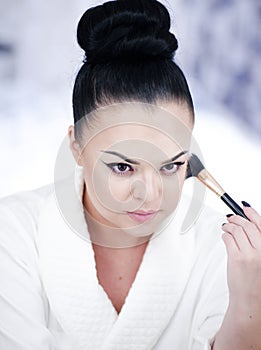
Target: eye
(171, 168)
(120, 168)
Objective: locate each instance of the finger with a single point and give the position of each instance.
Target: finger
(239, 236)
(231, 245)
(253, 216)
(249, 228)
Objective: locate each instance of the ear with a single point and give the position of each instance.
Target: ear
(74, 146)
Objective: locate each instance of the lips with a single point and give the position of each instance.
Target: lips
(142, 216)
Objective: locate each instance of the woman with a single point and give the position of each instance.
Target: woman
(100, 259)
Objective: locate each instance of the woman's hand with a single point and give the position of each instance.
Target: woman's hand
(243, 242)
(241, 327)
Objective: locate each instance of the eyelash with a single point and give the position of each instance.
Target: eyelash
(126, 173)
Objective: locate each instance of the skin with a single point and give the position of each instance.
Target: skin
(119, 243)
(240, 329)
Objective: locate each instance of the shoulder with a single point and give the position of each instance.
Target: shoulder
(23, 207)
(27, 197)
(19, 214)
(208, 251)
(203, 218)
(209, 222)
(203, 225)
(208, 236)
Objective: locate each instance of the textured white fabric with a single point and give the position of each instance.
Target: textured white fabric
(50, 297)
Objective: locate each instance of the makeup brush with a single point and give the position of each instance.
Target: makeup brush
(197, 169)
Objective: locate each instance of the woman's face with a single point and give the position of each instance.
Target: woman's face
(134, 158)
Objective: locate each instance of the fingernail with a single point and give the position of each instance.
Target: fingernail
(229, 215)
(245, 204)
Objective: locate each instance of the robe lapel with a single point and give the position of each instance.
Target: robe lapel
(68, 272)
(156, 291)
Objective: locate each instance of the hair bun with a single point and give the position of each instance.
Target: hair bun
(128, 30)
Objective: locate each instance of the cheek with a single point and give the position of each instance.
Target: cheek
(106, 190)
(119, 188)
(96, 182)
(172, 187)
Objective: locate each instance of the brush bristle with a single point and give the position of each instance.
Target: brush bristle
(194, 166)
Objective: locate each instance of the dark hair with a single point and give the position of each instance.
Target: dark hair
(129, 55)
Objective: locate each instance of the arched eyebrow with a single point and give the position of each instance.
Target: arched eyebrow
(175, 157)
(122, 156)
(132, 161)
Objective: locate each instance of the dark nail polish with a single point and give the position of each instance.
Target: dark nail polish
(245, 204)
(229, 215)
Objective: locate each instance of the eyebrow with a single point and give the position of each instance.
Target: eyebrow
(175, 157)
(132, 161)
(122, 156)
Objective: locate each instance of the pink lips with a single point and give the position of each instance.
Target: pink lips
(142, 216)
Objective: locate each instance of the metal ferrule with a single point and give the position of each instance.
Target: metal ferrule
(208, 180)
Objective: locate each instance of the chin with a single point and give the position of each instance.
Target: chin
(144, 229)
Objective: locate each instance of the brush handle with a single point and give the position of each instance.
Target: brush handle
(233, 205)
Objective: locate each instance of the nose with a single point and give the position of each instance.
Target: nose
(148, 187)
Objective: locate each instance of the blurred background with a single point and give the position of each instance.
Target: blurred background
(219, 52)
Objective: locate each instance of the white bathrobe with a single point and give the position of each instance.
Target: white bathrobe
(50, 297)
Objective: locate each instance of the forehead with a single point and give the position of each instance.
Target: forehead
(131, 126)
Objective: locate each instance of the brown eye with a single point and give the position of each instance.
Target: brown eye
(120, 168)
